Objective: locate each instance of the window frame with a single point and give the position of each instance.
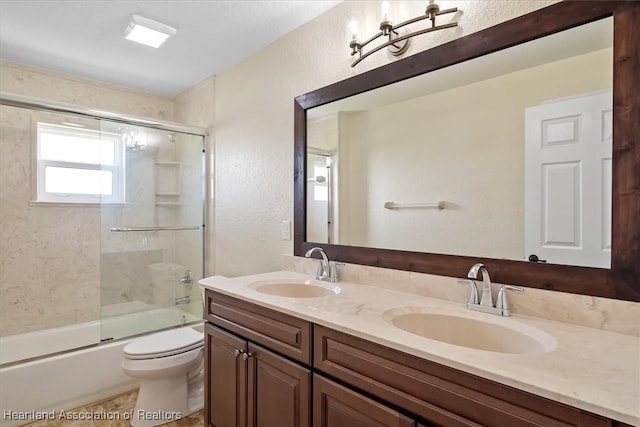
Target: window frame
(117, 170)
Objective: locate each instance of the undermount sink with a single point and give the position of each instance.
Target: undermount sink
(473, 333)
(296, 288)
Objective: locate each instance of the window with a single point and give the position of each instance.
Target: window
(79, 165)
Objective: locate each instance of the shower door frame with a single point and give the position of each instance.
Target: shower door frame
(40, 104)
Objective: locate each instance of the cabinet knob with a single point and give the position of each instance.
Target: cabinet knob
(237, 352)
(245, 356)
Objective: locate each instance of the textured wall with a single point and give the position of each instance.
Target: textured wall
(254, 120)
(23, 80)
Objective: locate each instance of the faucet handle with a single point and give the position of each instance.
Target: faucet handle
(502, 303)
(320, 273)
(333, 271)
(473, 291)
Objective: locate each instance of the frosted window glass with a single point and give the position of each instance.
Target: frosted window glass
(78, 181)
(71, 148)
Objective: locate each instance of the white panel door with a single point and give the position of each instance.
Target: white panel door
(568, 181)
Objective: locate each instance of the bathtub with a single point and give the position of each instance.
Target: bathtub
(120, 320)
(74, 378)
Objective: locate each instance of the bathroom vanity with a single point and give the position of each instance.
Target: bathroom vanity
(337, 359)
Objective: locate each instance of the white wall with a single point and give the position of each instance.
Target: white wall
(253, 127)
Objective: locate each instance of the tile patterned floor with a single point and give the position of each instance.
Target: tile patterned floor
(116, 407)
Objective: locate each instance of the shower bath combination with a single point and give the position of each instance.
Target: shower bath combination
(106, 271)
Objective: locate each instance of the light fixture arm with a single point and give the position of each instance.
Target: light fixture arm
(387, 30)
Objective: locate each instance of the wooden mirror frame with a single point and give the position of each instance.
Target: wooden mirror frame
(622, 280)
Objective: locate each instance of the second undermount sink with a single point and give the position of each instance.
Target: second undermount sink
(296, 288)
(473, 333)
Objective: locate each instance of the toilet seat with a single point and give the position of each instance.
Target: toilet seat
(164, 344)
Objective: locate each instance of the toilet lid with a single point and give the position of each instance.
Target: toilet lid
(165, 343)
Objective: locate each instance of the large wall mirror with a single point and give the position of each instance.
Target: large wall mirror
(517, 146)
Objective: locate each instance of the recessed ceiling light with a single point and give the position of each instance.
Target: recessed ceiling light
(147, 31)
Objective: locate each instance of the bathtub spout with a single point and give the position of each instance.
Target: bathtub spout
(183, 300)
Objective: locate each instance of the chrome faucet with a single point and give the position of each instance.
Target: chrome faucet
(187, 278)
(486, 283)
(485, 304)
(327, 270)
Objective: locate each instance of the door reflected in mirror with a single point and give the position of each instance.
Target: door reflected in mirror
(505, 156)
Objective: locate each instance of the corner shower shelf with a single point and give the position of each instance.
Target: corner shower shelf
(167, 184)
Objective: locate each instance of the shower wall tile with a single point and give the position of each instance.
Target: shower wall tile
(25, 80)
(125, 276)
(50, 256)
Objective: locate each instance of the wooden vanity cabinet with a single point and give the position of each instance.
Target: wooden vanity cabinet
(247, 384)
(266, 369)
(226, 379)
(440, 395)
(337, 406)
(284, 334)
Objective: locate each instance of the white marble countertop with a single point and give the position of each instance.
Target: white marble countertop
(590, 369)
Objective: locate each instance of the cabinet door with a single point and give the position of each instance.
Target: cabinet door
(279, 391)
(226, 379)
(337, 406)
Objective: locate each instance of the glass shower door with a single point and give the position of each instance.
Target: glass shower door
(152, 246)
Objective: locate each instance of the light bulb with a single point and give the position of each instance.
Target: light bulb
(385, 9)
(353, 29)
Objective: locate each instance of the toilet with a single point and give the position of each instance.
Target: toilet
(169, 366)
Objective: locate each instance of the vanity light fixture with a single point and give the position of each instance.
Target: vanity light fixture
(147, 31)
(398, 35)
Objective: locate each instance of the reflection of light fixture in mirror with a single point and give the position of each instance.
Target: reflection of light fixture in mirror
(147, 31)
(398, 35)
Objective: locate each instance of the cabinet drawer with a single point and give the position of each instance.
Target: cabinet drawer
(441, 395)
(284, 334)
(337, 406)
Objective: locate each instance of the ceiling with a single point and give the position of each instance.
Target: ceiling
(84, 37)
